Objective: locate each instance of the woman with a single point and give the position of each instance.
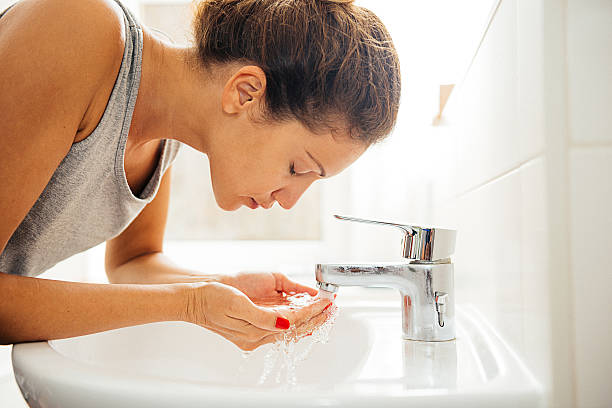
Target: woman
(277, 93)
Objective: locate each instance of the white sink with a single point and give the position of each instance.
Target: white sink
(365, 363)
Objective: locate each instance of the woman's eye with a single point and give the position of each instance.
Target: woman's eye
(292, 169)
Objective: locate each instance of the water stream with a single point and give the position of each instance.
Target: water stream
(283, 357)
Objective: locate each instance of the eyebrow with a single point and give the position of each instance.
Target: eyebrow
(321, 169)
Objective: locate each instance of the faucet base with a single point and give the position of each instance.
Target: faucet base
(428, 305)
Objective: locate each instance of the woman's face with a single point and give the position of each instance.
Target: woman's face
(256, 164)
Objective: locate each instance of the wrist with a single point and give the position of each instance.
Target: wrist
(182, 294)
(190, 297)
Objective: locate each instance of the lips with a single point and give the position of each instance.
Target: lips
(253, 204)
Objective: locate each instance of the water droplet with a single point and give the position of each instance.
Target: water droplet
(284, 351)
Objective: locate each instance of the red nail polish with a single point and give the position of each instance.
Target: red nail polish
(325, 308)
(335, 294)
(282, 323)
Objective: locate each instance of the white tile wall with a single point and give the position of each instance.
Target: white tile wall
(529, 81)
(589, 64)
(511, 196)
(501, 258)
(591, 242)
(495, 131)
(488, 254)
(486, 141)
(535, 289)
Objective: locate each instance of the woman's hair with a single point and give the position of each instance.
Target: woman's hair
(324, 60)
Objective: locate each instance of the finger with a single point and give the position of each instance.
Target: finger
(303, 330)
(308, 312)
(270, 338)
(265, 337)
(229, 334)
(245, 329)
(284, 284)
(264, 318)
(243, 342)
(306, 289)
(239, 330)
(308, 327)
(289, 286)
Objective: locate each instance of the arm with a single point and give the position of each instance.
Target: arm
(46, 46)
(53, 57)
(41, 309)
(223, 303)
(136, 255)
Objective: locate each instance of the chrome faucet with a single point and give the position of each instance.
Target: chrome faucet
(425, 280)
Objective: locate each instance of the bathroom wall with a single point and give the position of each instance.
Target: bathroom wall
(527, 154)
(589, 68)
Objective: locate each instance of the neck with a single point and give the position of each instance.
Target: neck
(176, 100)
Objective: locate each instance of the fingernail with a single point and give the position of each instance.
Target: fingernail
(282, 323)
(309, 334)
(325, 308)
(335, 294)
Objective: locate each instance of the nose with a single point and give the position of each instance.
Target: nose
(268, 205)
(288, 196)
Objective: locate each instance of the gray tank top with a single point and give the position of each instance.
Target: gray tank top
(88, 199)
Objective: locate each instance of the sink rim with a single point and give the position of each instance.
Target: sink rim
(38, 362)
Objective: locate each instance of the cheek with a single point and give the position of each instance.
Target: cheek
(221, 183)
(247, 171)
(230, 181)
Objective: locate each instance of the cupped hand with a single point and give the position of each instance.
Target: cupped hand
(275, 290)
(229, 312)
(265, 285)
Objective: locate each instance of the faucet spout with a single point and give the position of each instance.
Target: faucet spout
(387, 275)
(426, 290)
(425, 282)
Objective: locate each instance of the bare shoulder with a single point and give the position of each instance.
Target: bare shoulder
(84, 37)
(55, 57)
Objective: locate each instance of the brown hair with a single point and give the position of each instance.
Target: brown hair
(323, 59)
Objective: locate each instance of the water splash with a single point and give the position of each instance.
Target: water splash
(284, 357)
(245, 357)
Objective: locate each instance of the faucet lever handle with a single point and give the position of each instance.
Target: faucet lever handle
(419, 243)
(408, 229)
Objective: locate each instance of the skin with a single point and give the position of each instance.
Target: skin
(223, 118)
(219, 112)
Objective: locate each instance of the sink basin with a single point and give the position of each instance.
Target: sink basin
(365, 363)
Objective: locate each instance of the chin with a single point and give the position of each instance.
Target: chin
(224, 202)
(228, 205)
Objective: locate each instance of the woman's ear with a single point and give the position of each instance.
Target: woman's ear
(244, 90)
